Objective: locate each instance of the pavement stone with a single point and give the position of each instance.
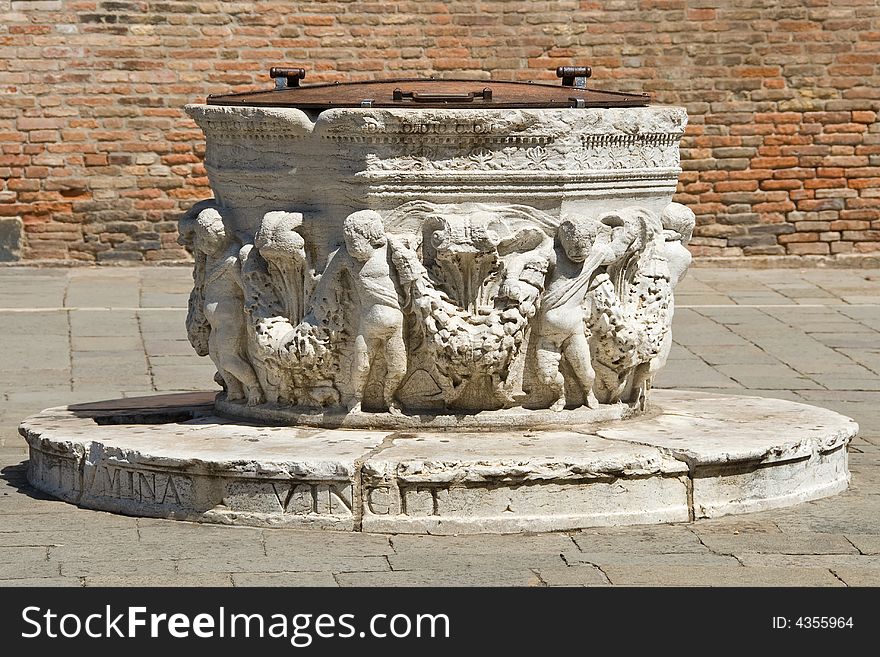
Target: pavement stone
(650, 559)
(87, 334)
(171, 580)
(858, 576)
(22, 569)
(831, 561)
(30, 582)
(696, 575)
(479, 577)
(315, 561)
(781, 543)
(133, 568)
(284, 579)
(20, 553)
(865, 543)
(487, 544)
(475, 561)
(659, 539)
(573, 576)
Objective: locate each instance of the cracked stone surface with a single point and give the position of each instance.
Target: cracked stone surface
(818, 328)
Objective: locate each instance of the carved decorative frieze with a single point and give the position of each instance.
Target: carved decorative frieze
(429, 261)
(439, 307)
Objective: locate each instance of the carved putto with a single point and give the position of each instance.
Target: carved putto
(435, 308)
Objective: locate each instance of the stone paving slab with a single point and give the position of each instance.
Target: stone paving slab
(277, 579)
(177, 579)
(857, 576)
(28, 582)
(472, 577)
(697, 575)
(662, 539)
(822, 328)
(573, 576)
(603, 559)
(782, 543)
(865, 543)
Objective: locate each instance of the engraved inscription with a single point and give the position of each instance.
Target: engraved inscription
(289, 498)
(56, 472)
(420, 501)
(382, 501)
(143, 486)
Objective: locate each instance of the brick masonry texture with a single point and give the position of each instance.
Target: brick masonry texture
(782, 155)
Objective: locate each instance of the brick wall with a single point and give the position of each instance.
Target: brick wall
(782, 155)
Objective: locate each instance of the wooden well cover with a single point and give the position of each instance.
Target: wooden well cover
(446, 93)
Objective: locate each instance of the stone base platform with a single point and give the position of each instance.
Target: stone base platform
(693, 456)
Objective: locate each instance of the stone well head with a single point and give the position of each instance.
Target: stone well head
(457, 296)
(439, 248)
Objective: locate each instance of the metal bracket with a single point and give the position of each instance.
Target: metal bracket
(286, 77)
(367, 102)
(580, 103)
(399, 95)
(574, 76)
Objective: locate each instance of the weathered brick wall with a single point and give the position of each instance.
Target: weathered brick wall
(782, 155)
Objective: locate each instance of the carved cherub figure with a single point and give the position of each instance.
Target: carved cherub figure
(218, 300)
(585, 246)
(379, 317)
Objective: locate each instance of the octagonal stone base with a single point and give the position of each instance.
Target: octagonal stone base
(695, 456)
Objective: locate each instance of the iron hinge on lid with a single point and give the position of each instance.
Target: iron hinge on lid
(286, 77)
(574, 76)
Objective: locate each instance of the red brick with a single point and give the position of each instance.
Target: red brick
(774, 162)
(780, 112)
(850, 224)
(814, 248)
(798, 237)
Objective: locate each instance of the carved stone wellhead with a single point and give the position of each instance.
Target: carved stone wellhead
(438, 299)
(394, 263)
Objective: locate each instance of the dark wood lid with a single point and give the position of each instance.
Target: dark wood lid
(432, 93)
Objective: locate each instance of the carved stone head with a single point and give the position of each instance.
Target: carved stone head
(277, 238)
(205, 233)
(679, 220)
(577, 238)
(364, 232)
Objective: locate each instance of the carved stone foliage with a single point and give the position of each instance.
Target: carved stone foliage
(435, 307)
(593, 152)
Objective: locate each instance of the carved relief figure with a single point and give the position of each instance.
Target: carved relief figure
(439, 306)
(218, 293)
(584, 246)
(378, 319)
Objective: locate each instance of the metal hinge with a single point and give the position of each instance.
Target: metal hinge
(286, 77)
(574, 76)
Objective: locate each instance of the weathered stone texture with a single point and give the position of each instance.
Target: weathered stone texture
(687, 462)
(99, 160)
